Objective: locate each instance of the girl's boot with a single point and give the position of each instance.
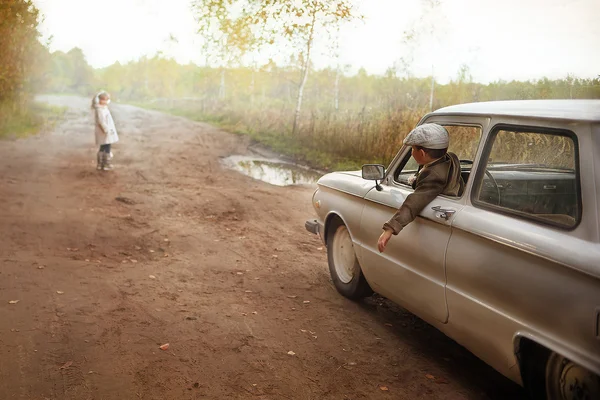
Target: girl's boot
(106, 162)
(99, 158)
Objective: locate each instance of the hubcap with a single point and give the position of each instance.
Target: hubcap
(566, 380)
(344, 258)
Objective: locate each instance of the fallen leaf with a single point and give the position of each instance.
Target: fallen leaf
(303, 330)
(59, 292)
(86, 260)
(134, 261)
(390, 325)
(164, 346)
(306, 301)
(352, 363)
(429, 376)
(275, 256)
(67, 365)
(124, 262)
(384, 388)
(151, 251)
(166, 240)
(291, 353)
(137, 247)
(240, 273)
(248, 291)
(166, 255)
(41, 267)
(13, 301)
(319, 248)
(254, 312)
(151, 277)
(125, 200)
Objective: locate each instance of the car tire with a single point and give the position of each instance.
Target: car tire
(344, 268)
(568, 380)
(549, 376)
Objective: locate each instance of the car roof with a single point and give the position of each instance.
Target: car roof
(579, 110)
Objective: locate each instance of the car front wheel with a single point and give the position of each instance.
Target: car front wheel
(343, 266)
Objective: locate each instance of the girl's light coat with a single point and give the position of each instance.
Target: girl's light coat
(106, 132)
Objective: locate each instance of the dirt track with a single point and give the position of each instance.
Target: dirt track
(232, 267)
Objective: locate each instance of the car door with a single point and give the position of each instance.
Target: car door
(411, 272)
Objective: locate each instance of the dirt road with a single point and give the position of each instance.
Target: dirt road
(210, 261)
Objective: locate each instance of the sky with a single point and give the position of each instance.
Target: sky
(496, 39)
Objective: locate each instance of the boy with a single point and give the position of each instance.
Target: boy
(439, 173)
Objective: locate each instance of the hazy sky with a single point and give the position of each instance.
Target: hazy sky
(497, 39)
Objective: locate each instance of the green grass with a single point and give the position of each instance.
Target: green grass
(275, 141)
(38, 117)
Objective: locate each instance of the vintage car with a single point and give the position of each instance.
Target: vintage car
(511, 269)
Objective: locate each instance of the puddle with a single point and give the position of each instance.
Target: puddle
(275, 172)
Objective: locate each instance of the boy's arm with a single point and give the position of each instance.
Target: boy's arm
(429, 186)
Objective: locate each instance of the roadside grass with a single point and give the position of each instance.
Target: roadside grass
(38, 117)
(325, 141)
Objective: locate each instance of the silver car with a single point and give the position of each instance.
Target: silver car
(511, 269)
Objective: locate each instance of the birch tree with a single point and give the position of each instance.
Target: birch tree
(254, 25)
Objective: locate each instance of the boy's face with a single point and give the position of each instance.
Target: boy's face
(419, 155)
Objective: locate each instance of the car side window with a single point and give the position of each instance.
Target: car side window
(464, 141)
(532, 174)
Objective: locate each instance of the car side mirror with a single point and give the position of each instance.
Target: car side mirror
(374, 172)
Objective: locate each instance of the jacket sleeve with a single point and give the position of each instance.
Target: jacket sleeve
(429, 186)
(100, 120)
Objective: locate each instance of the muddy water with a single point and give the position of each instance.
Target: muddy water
(273, 171)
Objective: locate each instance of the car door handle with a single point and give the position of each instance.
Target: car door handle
(443, 213)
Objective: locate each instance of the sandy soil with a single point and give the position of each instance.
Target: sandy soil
(210, 261)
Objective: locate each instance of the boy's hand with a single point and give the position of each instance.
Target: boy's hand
(384, 239)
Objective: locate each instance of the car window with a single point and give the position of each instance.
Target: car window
(532, 175)
(464, 141)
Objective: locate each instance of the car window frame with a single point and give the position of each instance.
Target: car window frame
(403, 160)
(484, 159)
